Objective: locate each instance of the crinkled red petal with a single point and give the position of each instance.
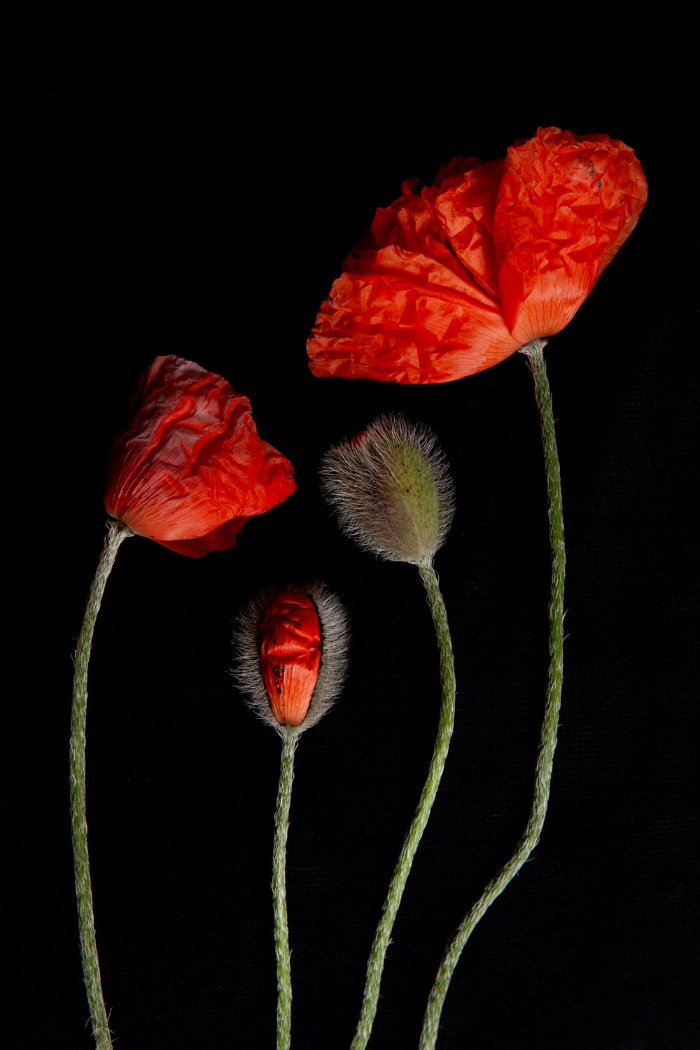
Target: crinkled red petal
(407, 318)
(566, 204)
(410, 224)
(465, 209)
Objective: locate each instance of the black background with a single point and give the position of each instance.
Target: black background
(207, 216)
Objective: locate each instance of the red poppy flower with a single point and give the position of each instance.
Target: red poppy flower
(190, 469)
(455, 278)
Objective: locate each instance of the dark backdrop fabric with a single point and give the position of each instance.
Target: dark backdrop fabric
(208, 217)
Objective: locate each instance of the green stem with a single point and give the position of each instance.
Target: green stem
(116, 534)
(548, 739)
(382, 937)
(290, 739)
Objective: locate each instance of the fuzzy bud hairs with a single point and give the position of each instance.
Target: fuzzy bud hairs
(391, 489)
(291, 655)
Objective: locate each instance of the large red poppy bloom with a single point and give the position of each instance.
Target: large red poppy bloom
(190, 469)
(454, 278)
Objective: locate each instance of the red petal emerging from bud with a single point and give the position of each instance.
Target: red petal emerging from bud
(290, 655)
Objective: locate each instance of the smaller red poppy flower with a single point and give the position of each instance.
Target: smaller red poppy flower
(455, 277)
(291, 655)
(190, 469)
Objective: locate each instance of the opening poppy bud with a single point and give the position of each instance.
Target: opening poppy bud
(391, 489)
(291, 650)
(290, 656)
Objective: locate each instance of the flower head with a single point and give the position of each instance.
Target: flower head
(190, 469)
(391, 488)
(291, 655)
(455, 278)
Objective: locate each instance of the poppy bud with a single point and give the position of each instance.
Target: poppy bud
(291, 649)
(391, 489)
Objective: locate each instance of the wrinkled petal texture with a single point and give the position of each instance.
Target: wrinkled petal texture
(190, 469)
(406, 308)
(565, 206)
(290, 655)
(452, 280)
(466, 211)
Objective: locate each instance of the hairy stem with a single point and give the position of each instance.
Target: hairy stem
(290, 739)
(548, 738)
(382, 936)
(116, 534)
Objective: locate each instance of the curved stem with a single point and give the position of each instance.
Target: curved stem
(382, 936)
(290, 739)
(548, 738)
(116, 534)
